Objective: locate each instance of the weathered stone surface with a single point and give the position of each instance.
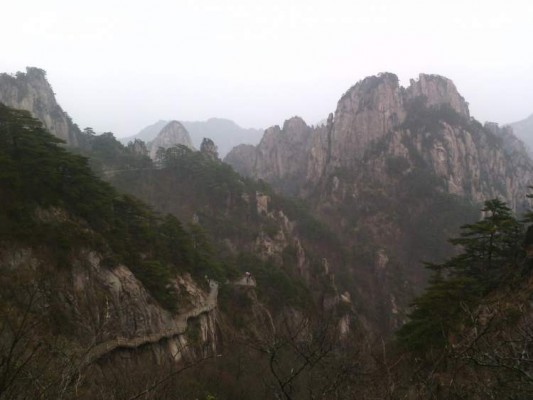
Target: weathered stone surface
(209, 148)
(31, 91)
(438, 90)
(476, 163)
(365, 114)
(171, 135)
(357, 172)
(111, 309)
(242, 158)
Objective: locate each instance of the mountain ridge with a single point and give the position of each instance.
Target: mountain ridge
(224, 132)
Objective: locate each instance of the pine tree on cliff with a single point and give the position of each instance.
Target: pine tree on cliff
(491, 253)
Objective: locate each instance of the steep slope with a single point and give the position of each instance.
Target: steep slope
(393, 172)
(100, 297)
(378, 112)
(87, 272)
(172, 134)
(31, 91)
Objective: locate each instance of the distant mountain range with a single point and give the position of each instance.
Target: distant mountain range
(225, 133)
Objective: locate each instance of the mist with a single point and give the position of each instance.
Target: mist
(119, 66)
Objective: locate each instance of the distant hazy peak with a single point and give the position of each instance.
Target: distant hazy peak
(295, 122)
(172, 134)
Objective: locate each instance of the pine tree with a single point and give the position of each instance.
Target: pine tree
(491, 252)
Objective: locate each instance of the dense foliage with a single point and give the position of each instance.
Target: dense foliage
(51, 197)
(490, 258)
(194, 185)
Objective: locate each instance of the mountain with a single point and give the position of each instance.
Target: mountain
(393, 172)
(524, 130)
(258, 295)
(96, 286)
(31, 91)
(146, 134)
(376, 118)
(172, 134)
(86, 272)
(224, 132)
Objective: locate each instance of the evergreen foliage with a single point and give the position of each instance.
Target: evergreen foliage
(51, 199)
(491, 254)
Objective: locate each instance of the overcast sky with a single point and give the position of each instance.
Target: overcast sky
(120, 65)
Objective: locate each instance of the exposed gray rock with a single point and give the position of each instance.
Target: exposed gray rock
(171, 135)
(475, 162)
(31, 91)
(242, 158)
(438, 90)
(365, 114)
(209, 148)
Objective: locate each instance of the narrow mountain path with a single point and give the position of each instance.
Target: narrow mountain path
(179, 328)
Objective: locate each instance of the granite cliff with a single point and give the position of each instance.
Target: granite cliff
(393, 171)
(172, 134)
(31, 91)
(429, 120)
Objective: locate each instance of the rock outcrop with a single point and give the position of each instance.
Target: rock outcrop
(110, 309)
(394, 171)
(209, 148)
(31, 91)
(171, 135)
(429, 118)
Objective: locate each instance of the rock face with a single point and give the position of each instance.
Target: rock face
(111, 309)
(364, 114)
(171, 135)
(378, 112)
(438, 90)
(394, 171)
(209, 148)
(31, 91)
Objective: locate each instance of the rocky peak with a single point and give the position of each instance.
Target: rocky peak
(364, 114)
(174, 133)
(209, 148)
(438, 90)
(295, 125)
(242, 158)
(377, 113)
(32, 92)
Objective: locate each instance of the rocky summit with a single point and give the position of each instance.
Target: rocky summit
(378, 112)
(31, 91)
(172, 134)
(179, 278)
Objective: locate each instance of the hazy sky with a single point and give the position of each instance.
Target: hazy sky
(120, 65)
